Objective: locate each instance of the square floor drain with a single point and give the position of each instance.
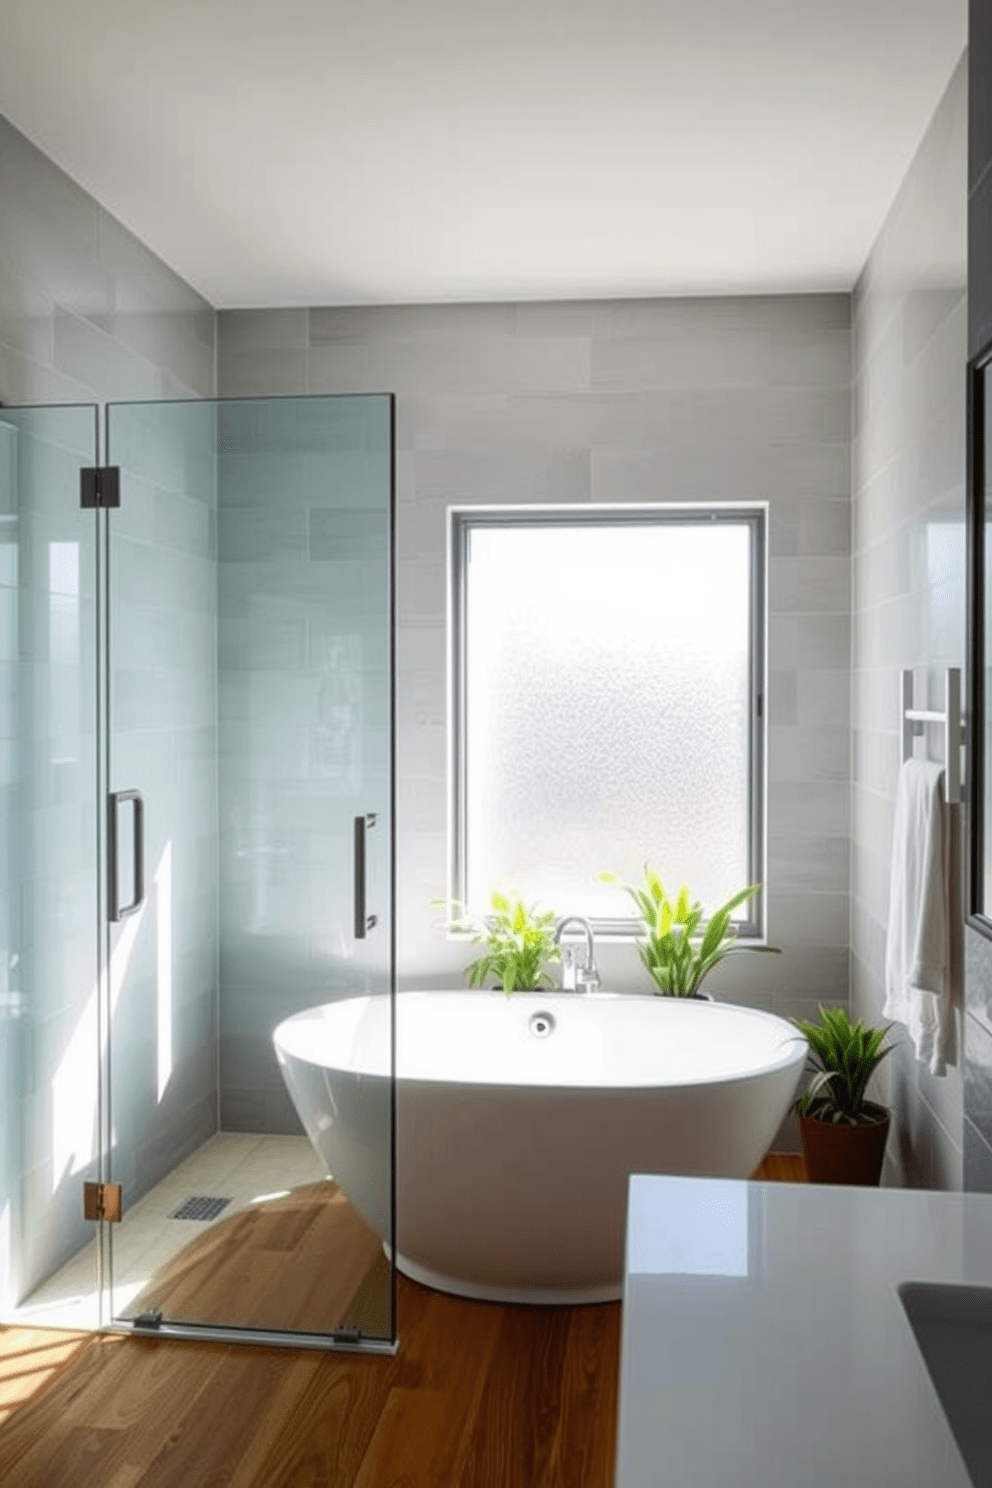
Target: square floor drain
(199, 1206)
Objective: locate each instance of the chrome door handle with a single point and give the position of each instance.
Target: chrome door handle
(121, 911)
(364, 922)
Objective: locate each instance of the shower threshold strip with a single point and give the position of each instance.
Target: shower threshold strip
(209, 1333)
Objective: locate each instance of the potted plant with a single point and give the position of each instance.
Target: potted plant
(675, 956)
(520, 944)
(843, 1133)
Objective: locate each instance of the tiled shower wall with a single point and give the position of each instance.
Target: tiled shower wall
(87, 314)
(660, 400)
(304, 724)
(910, 335)
(163, 614)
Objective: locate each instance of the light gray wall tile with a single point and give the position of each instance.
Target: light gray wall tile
(417, 323)
(783, 699)
(255, 534)
(340, 366)
(799, 358)
(558, 318)
(809, 584)
(814, 472)
(812, 864)
(796, 754)
(27, 316)
(731, 468)
(672, 400)
(818, 975)
(923, 1151)
(908, 457)
(459, 476)
(25, 381)
(978, 979)
(819, 531)
(64, 213)
(977, 1160)
(252, 374)
(548, 363)
(303, 717)
(817, 807)
(265, 330)
(824, 698)
(978, 1076)
(691, 355)
(88, 314)
(442, 368)
(810, 642)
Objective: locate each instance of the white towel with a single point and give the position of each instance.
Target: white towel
(917, 982)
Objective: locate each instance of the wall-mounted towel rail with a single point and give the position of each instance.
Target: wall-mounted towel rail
(914, 721)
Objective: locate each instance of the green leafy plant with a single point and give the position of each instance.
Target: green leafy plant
(676, 956)
(520, 943)
(843, 1057)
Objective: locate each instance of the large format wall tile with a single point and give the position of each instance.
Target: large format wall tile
(303, 715)
(633, 401)
(164, 742)
(977, 1160)
(88, 314)
(908, 576)
(978, 1078)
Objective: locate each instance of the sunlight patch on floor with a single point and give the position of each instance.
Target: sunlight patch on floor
(242, 1166)
(26, 1365)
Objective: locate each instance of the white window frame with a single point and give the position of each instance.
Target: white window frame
(753, 515)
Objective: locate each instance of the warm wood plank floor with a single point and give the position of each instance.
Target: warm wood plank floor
(307, 1260)
(781, 1167)
(480, 1396)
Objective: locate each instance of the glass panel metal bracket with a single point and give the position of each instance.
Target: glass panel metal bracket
(99, 486)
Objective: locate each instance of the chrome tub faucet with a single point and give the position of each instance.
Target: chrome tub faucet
(576, 976)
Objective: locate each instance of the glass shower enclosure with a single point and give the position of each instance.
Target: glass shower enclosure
(232, 655)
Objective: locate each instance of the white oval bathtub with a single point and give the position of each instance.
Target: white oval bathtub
(514, 1143)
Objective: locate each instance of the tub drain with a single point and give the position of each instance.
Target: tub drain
(541, 1024)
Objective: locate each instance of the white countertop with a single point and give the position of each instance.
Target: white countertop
(764, 1344)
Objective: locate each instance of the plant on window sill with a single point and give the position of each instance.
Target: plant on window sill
(675, 957)
(520, 943)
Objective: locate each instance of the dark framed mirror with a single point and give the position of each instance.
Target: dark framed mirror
(979, 905)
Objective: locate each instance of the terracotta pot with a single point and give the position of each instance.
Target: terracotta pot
(845, 1154)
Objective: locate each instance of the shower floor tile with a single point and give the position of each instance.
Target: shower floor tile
(239, 1166)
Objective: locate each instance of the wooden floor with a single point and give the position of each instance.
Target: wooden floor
(479, 1396)
(304, 1261)
(781, 1167)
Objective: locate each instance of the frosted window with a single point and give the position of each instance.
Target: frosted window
(608, 707)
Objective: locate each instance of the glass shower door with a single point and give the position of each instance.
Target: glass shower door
(250, 665)
(51, 1033)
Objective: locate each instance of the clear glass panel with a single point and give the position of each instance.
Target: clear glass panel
(607, 677)
(985, 543)
(251, 706)
(163, 742)
(49, 1008)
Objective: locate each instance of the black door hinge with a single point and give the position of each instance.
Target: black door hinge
(100, 486)
(347, 1335)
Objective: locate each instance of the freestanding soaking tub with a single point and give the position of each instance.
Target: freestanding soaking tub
(519, 1119)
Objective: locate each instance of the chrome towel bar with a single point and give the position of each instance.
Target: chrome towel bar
(914, 721)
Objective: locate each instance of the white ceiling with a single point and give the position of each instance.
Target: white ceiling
(369, 151)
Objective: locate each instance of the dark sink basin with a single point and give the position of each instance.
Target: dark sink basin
(953, 1327)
